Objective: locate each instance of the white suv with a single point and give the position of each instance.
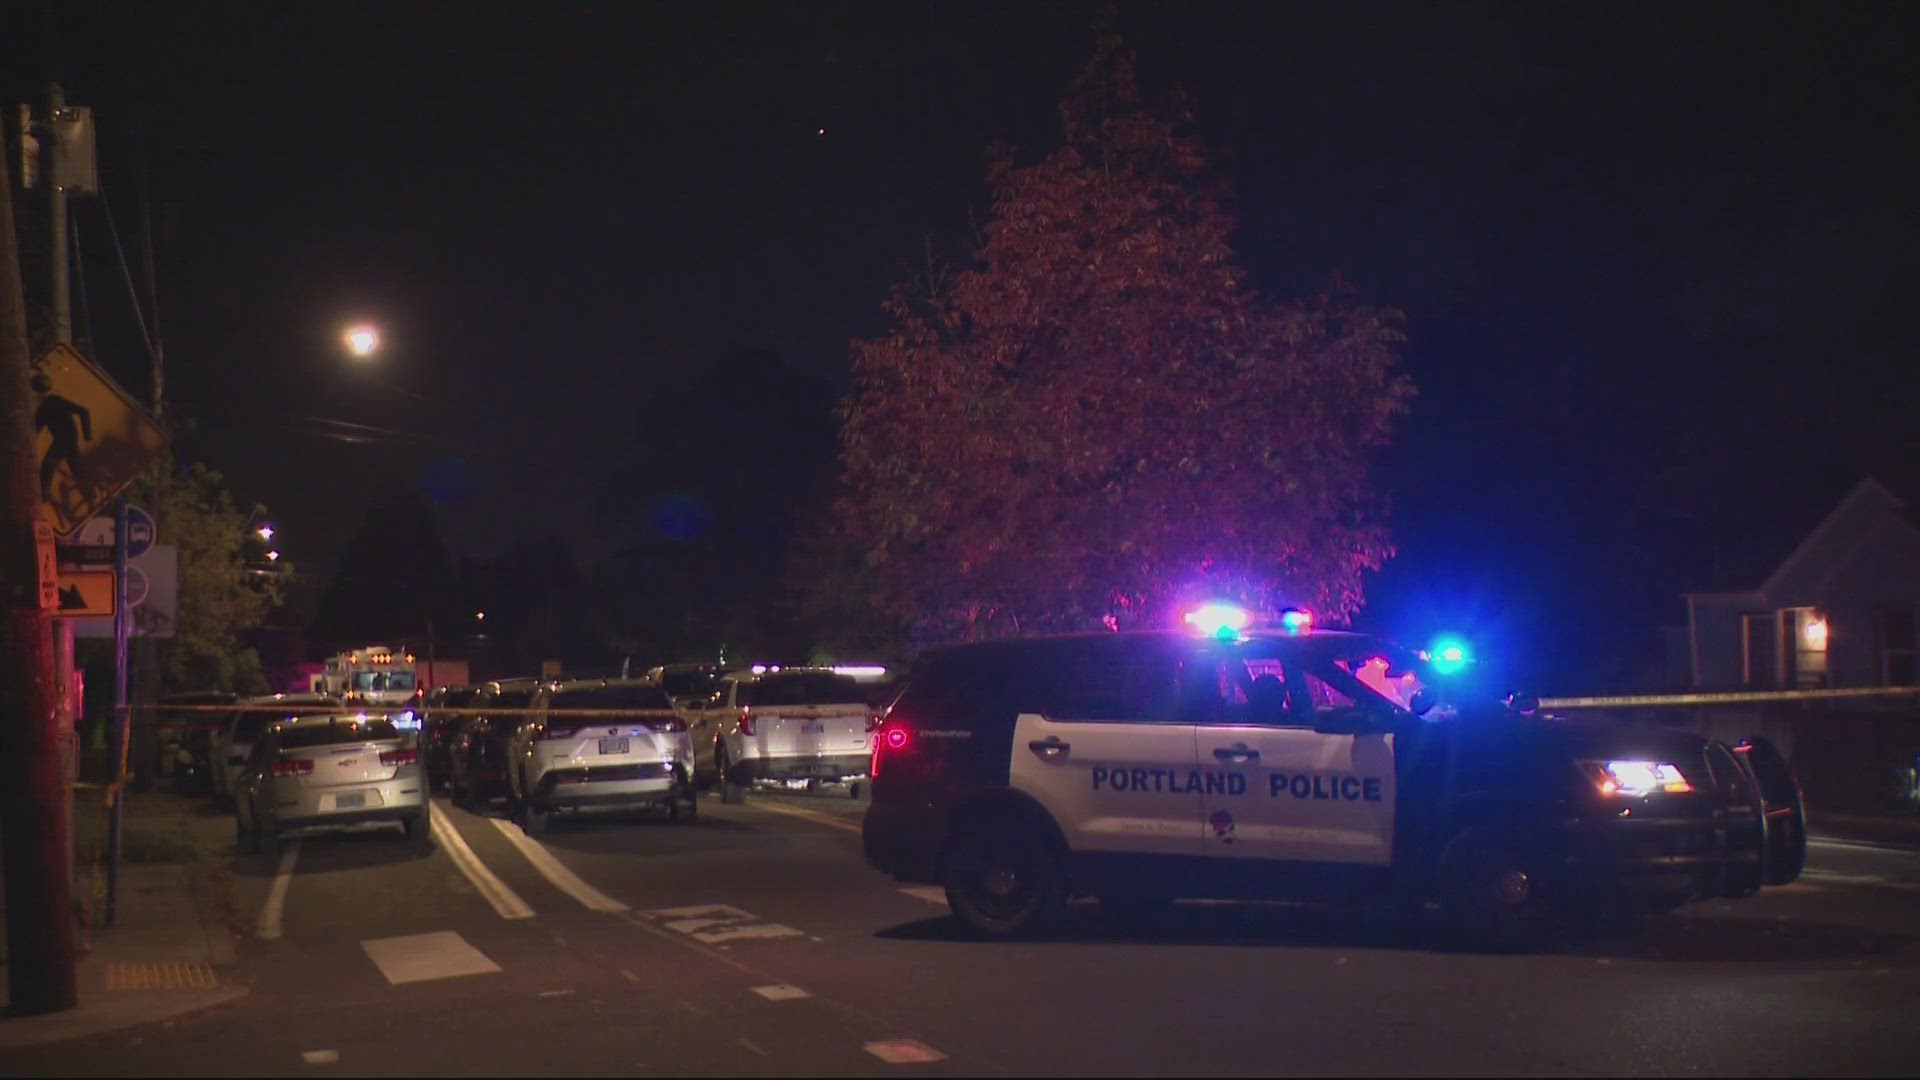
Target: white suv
(790, 724)
(600, 742)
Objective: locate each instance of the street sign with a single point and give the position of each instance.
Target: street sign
(80, 556)
(136, 586)
(97, 533)
(90, 438)
(49, 565)
(157, 614)
(84, 593)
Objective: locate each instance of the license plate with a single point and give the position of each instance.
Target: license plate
(348, 802)
(813, 727)
(614, 746)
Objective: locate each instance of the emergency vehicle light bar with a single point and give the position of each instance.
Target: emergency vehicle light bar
(1224, 621)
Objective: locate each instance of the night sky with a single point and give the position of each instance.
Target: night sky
(1654, 259)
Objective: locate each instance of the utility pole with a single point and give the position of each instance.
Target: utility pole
(54, 150)
(35, 830)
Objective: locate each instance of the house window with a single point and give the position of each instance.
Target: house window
(1896, 647)
(1803, 649)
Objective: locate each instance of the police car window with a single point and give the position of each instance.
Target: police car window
(1331, 685)
(1116, 684)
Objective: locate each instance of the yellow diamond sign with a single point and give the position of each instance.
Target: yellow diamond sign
(90, 438)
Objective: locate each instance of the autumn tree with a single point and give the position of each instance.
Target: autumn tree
(220, 599)
(1096, 419)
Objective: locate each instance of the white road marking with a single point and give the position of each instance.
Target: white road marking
(319, 1057)
(269, 927)
(1862, 845)
(629, 976)
(780, 992)
(504, 900)
(932, 894)
(750, 1046)
(420, 957)
(558, 875)
(1875, 880)
(832, 821)
(553, 993)
(714, 923)
(904, 1052)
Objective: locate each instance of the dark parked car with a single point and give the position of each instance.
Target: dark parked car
(477, 754)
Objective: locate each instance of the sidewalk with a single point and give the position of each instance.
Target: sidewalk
(171, 951)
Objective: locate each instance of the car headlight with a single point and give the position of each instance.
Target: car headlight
(1636, 778)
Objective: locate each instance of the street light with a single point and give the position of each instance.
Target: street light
(265, 531)
(362, 340)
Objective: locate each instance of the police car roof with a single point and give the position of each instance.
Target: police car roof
(1329, 640)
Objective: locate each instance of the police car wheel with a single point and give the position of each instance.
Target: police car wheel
(1004, 884)
(1493, 889)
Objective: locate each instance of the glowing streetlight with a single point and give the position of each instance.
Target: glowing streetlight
(362, 340)
(265, 531)
(273, 556)
(480, 616)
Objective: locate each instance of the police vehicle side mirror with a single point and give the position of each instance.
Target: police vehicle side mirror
(1422, 702)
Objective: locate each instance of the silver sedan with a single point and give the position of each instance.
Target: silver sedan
(330, 771)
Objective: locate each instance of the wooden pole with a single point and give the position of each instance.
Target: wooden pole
(35, 834)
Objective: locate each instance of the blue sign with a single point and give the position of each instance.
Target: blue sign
(140, 532)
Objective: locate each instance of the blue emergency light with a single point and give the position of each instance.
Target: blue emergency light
(1449, 655)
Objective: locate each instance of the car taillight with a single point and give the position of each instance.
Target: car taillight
(889, 739)
(396, 757)
(746, 721)
(292, 766)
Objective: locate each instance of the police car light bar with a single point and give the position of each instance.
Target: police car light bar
(1223, 621)
(1296, 621)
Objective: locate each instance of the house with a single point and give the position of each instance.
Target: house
(1841, 611)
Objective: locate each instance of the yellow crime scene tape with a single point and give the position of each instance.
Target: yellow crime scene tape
(1729, 698)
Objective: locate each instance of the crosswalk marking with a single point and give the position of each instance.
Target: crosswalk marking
(421, 957)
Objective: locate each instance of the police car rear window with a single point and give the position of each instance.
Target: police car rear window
(802, 688)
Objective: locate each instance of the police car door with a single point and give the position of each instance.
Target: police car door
(1291, 793)
(1106, 756)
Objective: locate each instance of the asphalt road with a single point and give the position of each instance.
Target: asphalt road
(756, 943)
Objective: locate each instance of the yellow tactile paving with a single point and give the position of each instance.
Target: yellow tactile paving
(172, 975)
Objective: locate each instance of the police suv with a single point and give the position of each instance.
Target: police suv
(1142, 767)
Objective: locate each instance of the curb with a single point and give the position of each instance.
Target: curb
(112, 1010)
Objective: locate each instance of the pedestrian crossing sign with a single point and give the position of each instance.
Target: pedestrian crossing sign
(90, 438)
